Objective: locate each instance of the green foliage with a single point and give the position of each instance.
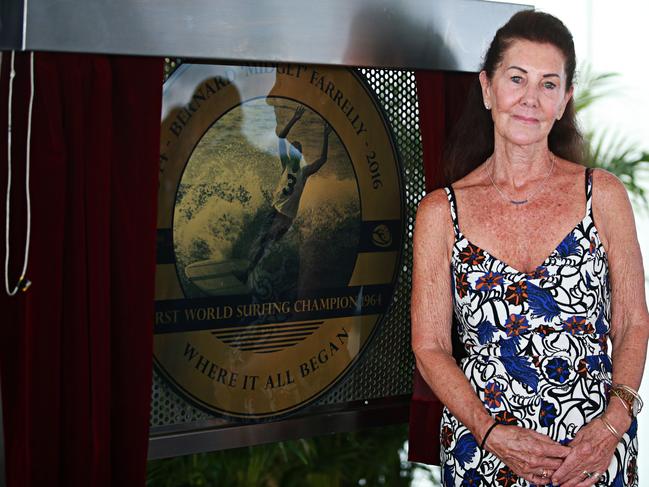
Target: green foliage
(370, 457)
(615, 153)
(593, 87)
(607, 148)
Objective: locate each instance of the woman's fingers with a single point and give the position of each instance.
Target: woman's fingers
(555, 450)
(540, 460)
(550, 465)
(538, 479)
(541, 476)
(533, 448)
(582, 480)
(592, 453)
(532, 469)
(590, 481)
(568, 471)
(573, 471)
(541, 469)
(526, 451)
(548, 447)
(531, 455)
(539, 464)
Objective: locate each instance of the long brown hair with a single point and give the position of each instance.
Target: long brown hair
(472, 140)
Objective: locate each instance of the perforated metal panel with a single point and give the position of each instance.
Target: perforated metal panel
(386, 367)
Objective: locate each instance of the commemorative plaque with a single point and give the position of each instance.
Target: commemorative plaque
(280, 222)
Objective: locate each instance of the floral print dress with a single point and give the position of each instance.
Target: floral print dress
(537, 350)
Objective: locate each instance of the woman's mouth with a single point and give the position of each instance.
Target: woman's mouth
(530, 120)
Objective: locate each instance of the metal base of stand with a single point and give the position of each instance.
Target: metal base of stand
(213, 435)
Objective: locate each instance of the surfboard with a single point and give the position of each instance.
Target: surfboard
(218, 278)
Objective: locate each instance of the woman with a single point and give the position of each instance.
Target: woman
(537, 400)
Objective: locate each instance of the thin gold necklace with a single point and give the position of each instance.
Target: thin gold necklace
(522, 202)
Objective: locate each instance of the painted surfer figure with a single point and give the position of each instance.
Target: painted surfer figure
(287, 195)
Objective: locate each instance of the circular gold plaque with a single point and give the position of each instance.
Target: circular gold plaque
(279, 233)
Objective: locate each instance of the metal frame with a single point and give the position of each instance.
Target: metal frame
(404, 34)
(219, 434)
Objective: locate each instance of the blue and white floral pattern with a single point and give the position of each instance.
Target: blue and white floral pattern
(537, 349)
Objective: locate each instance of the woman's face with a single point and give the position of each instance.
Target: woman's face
(527, 93)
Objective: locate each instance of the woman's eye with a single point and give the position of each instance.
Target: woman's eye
(549, 85)
(517, 79)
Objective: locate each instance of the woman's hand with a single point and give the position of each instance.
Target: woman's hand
(592, 450)
(531, 455)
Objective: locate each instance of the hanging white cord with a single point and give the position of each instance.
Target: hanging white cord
(23, 284)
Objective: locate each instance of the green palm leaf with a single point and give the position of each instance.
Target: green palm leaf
(608, 148)
(592, 87)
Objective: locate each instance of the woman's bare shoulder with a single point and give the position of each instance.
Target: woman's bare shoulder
(434, 223)
(611, 206)
(433, 235)
(612, 210)
(434, 207)
(608, 185)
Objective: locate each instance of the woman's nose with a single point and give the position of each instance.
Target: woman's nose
(530, 96)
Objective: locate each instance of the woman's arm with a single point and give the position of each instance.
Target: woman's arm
(629, 316)
(526, 452)
(431, 315)
(613, 217)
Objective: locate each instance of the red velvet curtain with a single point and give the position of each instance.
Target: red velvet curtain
(441, 101)
(76, 348)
